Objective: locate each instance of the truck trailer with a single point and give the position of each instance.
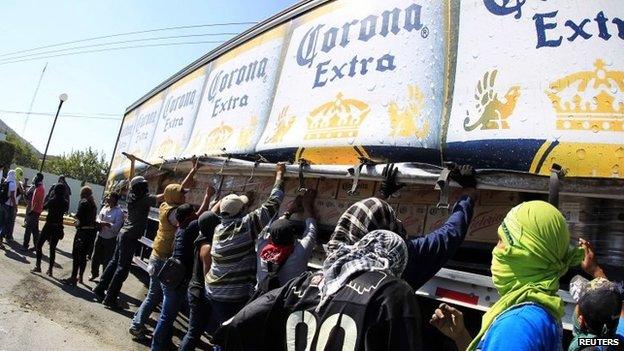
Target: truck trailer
(531, 95)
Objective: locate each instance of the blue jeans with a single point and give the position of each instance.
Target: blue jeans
(199, 317)
(172, 301)
(154, 295)
(221, 311)
(8, 222)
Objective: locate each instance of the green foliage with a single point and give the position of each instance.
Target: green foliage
(7, 153)
(24, 155)
(88, 165)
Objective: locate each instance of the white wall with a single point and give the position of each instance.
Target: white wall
(49, 179)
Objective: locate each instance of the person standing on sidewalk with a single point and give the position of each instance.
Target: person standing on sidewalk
(9, 206)
(109, 221)
(162, 248)
(52, 231)
(34, 198)
(85, 235)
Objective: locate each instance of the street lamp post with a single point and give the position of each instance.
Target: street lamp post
(62, 99)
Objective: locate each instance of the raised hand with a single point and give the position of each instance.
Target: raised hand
(590, 264)
(450, 321)
(389, 185)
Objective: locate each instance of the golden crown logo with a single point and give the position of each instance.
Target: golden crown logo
(409, 121)
(284, 122)
(216, 139)
(493, 111)
(589, 100)
(340, 118)
(166, 148)
(245, 134)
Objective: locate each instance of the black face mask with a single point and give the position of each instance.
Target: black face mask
(138, 191)
(284, 231)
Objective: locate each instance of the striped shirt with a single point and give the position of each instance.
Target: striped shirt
(232, 275)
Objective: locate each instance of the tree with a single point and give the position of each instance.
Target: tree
(88, 165)
(24, 154)
(7, 153)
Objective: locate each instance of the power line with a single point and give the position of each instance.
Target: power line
(113, 43)
(128, 33)
(114, 49)
(67, 115)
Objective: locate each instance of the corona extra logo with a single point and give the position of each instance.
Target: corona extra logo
(409, 121)
(493, 112)
(284, 122)
(340, 118)
(589, 100)
(245, 134)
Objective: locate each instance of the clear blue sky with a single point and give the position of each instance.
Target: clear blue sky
(104, 82)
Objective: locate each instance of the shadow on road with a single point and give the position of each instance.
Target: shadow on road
(15, 256)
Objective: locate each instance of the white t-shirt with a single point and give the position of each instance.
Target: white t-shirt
(13, 188)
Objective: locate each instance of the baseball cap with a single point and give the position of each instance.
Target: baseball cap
(599, 301)
(232, 204)
(136, 180)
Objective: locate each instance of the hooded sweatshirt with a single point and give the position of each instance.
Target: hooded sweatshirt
(162, 248)
(12, 183)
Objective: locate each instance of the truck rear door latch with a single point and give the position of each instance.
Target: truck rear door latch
(442, 185)
(356, 171)
(302, 164)
(556, 174)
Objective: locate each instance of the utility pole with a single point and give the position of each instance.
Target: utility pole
(62, 99)
(32, 102)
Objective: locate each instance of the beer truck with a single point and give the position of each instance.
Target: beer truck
(529, 93)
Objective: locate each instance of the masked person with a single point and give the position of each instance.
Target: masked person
(356, 302)
(116, 272)
(199, 309)
(533, 252)
(162, 248)
(8, 192)
(109, 220)
(282, 256)
(232, 276)
(174, 293)
(599, 313)
(85, 235)
(52, 231)
(427, 253)
(35, 196)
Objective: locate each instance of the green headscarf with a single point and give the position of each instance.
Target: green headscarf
(537, 253)
(19, 173)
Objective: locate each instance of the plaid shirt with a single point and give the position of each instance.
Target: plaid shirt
(232, 275)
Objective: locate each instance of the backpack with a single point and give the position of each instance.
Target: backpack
(4, 191)
(30, 192)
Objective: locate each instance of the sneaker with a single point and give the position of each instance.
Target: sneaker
(99, 295)
(112, 305)
(37, 269)
(138, 332)
(49, 273)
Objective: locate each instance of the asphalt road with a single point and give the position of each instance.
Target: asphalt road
(41, 313)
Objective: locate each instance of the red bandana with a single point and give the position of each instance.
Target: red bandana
(276, 254)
